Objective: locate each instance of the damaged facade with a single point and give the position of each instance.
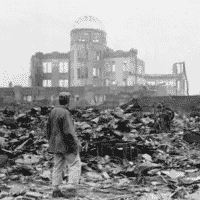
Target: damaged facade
(91, 64)
(94, 72)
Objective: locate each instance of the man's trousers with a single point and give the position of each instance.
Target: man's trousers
(74, 169)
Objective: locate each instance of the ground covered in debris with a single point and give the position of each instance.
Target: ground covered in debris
(123, 156)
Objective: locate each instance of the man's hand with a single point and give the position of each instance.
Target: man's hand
(79, 146)
(3, 142)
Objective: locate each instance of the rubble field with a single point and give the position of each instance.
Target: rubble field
(125, 155)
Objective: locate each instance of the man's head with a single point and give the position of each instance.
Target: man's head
(64, 98)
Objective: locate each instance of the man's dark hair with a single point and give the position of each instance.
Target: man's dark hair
(64, 100)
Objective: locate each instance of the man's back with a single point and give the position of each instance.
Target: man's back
(61, 133)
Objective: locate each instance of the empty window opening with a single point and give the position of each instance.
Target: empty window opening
(29, 98)
(46, 83)
(63, 67)
(178, 85)
(94, 72)
(63, 83)
(76, 97)
(25, 98)
(47, 68)
(113, 68)
(107, 82)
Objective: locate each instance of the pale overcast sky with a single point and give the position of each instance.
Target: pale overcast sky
(163, 31)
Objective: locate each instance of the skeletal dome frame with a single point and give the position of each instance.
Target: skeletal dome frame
(89, 22)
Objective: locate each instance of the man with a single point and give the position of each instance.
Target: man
(64, 144)
(164, 118)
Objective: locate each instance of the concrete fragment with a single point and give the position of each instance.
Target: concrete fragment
(150, 196)
(94, 176)
(23, 198)
(96, 120)
(28, 159)
(180, 193)
(33, 187)
(8, 198)
(85, 126)
(194, 196)
(2, 142)
(174, 174)
(105, 175)
(46, 175)
(14, 177)
(17, 190)
(2, 132)
(3, 194)
(2, 176)
(34, 195)
(147, 157)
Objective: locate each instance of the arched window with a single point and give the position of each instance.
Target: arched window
(46, 83)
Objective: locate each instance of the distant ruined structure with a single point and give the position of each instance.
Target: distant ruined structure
(94, 71)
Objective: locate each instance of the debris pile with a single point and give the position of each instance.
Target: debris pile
(124, 154)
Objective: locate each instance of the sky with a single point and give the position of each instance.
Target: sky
(163, 31)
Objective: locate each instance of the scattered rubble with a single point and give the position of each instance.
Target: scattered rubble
(126, 154)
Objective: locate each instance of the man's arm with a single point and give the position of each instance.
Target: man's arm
(68, 127)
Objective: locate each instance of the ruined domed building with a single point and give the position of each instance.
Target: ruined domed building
(93, 70)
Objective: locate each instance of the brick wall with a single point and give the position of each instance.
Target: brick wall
(177, 103)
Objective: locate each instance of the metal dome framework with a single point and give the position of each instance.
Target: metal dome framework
(89, 22)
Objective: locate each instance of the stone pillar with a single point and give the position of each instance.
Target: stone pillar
(32, 72)
(182, 86)
(55, 73)
(89, 80)
(18, 93)
(174, 69)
